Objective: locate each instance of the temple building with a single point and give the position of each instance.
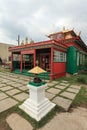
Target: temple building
(64, 52)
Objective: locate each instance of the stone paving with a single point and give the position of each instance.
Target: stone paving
(13, 90)
(53, 90)
(76, 120)
(49, 95)
(7, 103)
(6, 88)
(64, 84)
(3, 96)
(22, 96)
(15, 87)
(68, 95)
(75, 87)
(62, 102)
(60, 87)
(17, 122)
(73, 90)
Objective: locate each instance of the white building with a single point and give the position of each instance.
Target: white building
(4, 52)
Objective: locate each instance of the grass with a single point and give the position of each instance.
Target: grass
(3, 116)
(82, 78)
(81, 98)
(71, 79)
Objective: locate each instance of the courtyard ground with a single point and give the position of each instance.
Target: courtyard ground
(13, 91)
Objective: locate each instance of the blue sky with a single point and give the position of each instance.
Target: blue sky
(37, 18)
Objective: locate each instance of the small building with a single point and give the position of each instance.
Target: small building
(4, 52)
(65, 52)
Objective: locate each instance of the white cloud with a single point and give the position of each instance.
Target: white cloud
(35, 18)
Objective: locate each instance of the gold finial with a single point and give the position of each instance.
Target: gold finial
(22, 43)
(31, 41)
(63, 28)
(79, 33)
(26, 40)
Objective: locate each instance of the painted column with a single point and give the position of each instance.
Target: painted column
(12, 62)
(21, 58)
(51, 75)
(34, 58)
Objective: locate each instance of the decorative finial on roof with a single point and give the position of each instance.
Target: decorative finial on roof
(79, 33)
(63, 28)
(26, 40)
(22, 43)
(31, 41)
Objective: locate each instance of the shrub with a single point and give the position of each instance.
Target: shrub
(82, 79)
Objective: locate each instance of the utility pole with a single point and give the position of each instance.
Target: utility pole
(18, 40)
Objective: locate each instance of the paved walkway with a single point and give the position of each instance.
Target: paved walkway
(13, 89)
(17, 122)
(77, 120)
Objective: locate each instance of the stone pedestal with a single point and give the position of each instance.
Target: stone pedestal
(37, 106)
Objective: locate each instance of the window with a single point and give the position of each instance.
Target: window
(64, 57)
(77, 58)
(83, 59)
(56, 56)
(59, 36)
(59, 56)
(80, 59)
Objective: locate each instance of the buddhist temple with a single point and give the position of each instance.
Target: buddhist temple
(64, 52)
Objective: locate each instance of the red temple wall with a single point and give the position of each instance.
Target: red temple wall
(59, 69)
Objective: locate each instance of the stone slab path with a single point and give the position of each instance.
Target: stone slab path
(14, 87)
(13, 90)
(62, 102)
(7, 103)
(16, 122)
(77, 120)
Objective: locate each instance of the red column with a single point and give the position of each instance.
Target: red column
(34, 58)
(51, 75)
(21, 58)
(12, 62)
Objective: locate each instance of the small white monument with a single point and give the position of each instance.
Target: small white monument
(37, 105)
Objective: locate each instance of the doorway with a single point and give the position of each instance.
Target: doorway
(45, 61)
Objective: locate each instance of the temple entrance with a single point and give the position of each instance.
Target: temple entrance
(45, 61)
